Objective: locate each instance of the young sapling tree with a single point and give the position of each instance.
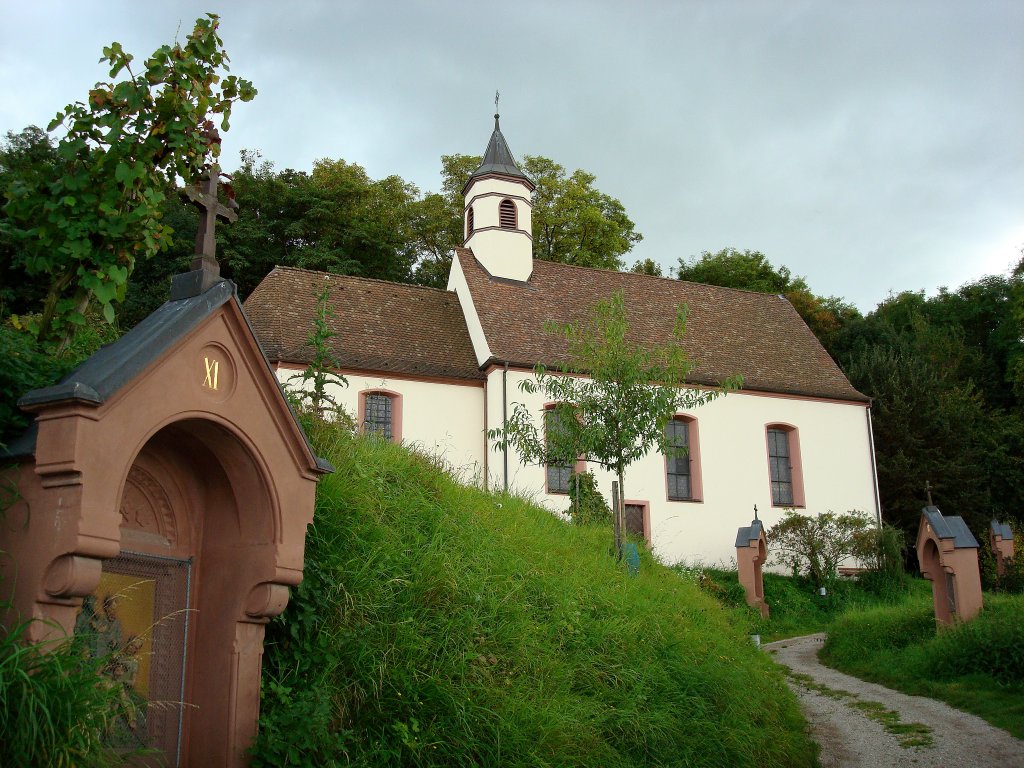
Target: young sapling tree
(614, 398)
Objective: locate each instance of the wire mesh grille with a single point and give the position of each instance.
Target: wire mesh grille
(137, 621)
(635, 519)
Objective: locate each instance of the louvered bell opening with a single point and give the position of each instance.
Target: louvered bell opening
(469, 222)
(507, 214)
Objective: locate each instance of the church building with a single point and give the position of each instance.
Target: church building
(437, 369)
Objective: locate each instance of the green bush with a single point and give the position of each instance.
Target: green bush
(991, 644)
(587, 505)
(857, 634)
(439, 625)
(815, 545)
(25, 367)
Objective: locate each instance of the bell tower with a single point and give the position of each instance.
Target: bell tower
(498, 216)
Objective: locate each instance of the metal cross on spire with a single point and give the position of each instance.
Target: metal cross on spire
(496, 97)
(928, 490)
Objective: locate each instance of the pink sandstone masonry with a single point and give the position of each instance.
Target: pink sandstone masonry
(1001, 539)
(751, 553)
(174, 445)
(948, 555)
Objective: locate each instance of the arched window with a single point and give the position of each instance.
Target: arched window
(682, 463)
(507, 214)
(380, 411)
(469, 222)
(784, 470)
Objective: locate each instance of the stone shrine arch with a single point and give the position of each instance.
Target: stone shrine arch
(751, 555)
(165, 492)
(948, 555)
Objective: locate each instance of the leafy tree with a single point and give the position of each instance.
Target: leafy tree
(815, 545)
(647, 267)
(730, 268)
(84, 227)
(27, 153)
(334, 219)
(932, 421)
(617, 411)
(149, 283)
(573, 221)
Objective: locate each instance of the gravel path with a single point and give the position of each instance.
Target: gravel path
(850, 739)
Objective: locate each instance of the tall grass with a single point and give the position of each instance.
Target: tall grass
(55, 708)
(977, 665)
(440, 625)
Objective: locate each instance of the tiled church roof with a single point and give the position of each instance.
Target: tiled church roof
(380, 326)
(729, 331)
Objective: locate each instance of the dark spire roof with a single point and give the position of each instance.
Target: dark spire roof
(498, 160)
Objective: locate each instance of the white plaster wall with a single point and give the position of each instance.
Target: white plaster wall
(836, 466)
(457, 282)
(445, 420)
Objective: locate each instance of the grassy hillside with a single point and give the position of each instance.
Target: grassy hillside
(439, 625)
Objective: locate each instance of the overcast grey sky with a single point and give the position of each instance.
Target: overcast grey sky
(870, 146)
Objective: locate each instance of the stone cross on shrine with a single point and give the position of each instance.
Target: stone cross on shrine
(205, 268)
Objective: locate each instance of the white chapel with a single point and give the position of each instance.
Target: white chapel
(439, 368)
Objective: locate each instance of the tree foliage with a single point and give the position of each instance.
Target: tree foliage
(333, 219)
(29, 153)
(815, 545)
(940, 371)
(83, 227)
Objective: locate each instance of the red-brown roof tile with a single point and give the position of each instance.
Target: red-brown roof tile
(380, 326)
(729, 331)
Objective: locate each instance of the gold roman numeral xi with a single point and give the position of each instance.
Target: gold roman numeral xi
(212, 369)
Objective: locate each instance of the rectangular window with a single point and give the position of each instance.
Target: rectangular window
(677, 463)
(378, 415)
(635, 520)
(558, 473)
(780, 467)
